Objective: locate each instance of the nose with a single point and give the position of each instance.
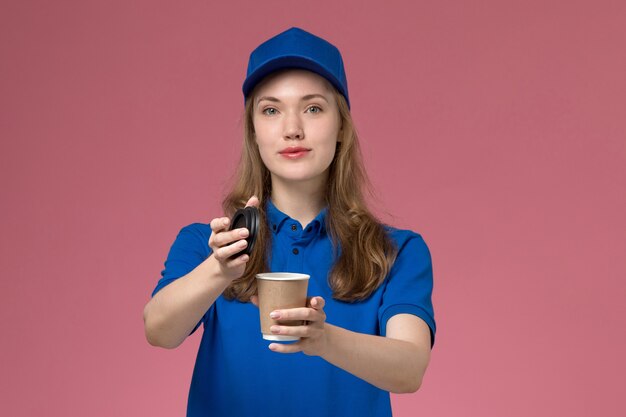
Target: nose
(293, 127)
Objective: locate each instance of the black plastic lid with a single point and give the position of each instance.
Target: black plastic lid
(249, 218)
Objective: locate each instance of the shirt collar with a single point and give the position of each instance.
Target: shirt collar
(276, 218)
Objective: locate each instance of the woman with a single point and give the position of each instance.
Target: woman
(370, 325)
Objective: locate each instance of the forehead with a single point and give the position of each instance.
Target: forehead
(298, 79)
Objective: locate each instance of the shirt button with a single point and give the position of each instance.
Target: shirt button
(294, 227)
(295, 251)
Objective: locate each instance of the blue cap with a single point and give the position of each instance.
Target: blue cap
(296, 48)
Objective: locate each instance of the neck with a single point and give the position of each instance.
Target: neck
(302, 201)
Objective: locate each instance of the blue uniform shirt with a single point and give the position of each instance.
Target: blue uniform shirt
(237, 375)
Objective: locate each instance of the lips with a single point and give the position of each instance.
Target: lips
(293, 150)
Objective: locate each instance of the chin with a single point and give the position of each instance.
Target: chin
(298, 177)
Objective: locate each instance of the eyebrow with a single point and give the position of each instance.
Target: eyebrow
(304, 98)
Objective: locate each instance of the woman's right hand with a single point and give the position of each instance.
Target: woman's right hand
(225, 243)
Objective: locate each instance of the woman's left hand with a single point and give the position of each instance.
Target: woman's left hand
(313, 337)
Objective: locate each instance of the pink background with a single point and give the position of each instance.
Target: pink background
(497, 129)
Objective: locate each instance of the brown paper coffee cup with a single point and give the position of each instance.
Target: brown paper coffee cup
(280, 290)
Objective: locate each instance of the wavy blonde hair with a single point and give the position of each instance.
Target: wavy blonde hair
(367, 252)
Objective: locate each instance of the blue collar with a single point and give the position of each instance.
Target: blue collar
(276, 219)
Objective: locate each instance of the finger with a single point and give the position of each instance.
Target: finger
(317, 303)
(298, 331)
(253, 201)
(286, 348)
(219, 224)
(238, 261)
(254, 300)
(225, 238)
(232, 263)
(225, 252)
(301, 313)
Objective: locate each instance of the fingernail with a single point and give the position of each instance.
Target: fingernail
(243, 232)
(274, 315)
(275, 329)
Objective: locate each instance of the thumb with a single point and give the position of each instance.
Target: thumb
(254, 300)
(253, 201)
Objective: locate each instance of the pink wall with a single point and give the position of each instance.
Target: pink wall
(497, 129)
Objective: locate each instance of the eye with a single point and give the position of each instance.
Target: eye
(270, 111)
(315, 109)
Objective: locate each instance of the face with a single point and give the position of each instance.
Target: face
(297, 123)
